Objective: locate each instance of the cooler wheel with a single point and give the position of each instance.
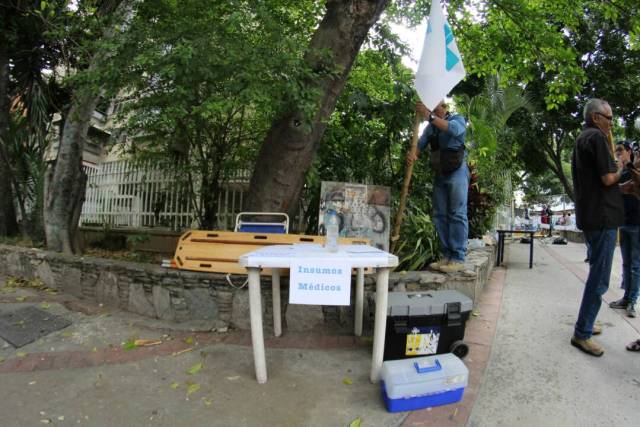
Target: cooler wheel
(460, 349)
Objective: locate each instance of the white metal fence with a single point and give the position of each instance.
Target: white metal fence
(144, 195)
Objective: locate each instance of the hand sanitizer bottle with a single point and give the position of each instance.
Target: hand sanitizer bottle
(333, 230)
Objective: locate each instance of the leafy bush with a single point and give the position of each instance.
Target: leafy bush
(419, 243)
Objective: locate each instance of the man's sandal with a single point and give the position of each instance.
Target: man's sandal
(634, 346)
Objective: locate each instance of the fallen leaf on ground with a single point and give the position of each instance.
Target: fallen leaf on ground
(146, 343)
(347, 381)
(1, 359)
(175, 385)
(45, 305)
(178, 353)
(21, 354)
(129, 345)
(67, 334)
(195, 369)
(189, 341)
(356, 423)
(20, 299)
(475, 313)
(61, 418)
(193, 388)
(207, 402)
(94, 349)
(233, 378)
(46, 421)
(32, 382)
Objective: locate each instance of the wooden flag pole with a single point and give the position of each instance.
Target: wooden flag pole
(611, 144)
(395, 236)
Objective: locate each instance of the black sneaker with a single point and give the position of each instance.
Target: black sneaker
(621, 303)
(631, 310)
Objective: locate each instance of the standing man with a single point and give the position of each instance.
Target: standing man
(599, 212)
(445, 136)
(629, 235)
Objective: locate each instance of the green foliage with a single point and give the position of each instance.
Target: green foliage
(204, 80)
(419, 242)
(135, 239)
(491, 149)
(366, 135)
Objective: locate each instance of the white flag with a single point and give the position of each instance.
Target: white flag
(440, 68)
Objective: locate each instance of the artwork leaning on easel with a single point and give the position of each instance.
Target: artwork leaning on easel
(363, 210)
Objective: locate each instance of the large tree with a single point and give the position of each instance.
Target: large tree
(563, 51)
(8, 225)
(294, 137)
(199, 90)
(65, 181)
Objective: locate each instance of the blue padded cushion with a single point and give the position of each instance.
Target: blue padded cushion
(256, 228)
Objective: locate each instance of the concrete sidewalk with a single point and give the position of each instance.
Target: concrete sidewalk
(82, 375)
(532, 376)
(535, 377)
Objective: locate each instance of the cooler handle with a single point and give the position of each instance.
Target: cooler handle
(422, 370)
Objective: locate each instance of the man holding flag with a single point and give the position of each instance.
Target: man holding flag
(445, 138)
(439, 71)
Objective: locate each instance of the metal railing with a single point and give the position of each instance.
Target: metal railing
(147, 195)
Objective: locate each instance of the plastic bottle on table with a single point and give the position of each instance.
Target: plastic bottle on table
(332, 225)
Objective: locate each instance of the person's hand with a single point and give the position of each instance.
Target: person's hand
(422, 110)
(635, 177)
(627, 187)
(412, 156)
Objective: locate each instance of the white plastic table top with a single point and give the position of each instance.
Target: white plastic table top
(280, 256)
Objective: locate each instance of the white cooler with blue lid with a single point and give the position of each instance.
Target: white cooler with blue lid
(423, 382)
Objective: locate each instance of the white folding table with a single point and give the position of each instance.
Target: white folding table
(280, 257)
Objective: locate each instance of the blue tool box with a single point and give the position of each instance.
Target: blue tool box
(423, 382)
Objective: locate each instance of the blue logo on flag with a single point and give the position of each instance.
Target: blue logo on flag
(452, 58)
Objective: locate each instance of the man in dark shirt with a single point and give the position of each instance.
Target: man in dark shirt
(629, 236)
(599, 212)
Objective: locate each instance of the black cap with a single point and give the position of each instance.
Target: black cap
(628, 145)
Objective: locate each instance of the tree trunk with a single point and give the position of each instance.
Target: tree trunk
(65, 181)
(8, 224)
(554, 161)
(290, 145)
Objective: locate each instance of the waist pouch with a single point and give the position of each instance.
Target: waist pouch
(447, 161)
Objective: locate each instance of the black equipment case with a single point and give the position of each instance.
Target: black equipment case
(424, 323)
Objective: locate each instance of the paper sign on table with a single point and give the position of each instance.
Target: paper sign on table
(316, 281)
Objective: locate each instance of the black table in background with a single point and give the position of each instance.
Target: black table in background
(501, 234)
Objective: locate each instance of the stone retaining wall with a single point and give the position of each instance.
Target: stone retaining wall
(208, 299)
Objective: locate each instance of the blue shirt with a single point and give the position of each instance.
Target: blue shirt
(451, 139)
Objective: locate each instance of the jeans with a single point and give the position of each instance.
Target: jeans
(450, 212)
(602, 243)
(630, 248)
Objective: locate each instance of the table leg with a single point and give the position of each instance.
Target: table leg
(498, 250)
(531, 252)
(502, 249)
(257, 339)
(380, 325)
(275, 291)
(359, 302)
